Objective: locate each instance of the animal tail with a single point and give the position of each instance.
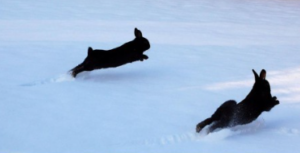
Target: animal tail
(90, 50)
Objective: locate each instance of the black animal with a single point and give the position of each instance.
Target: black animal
(127, 53)
(230, 113)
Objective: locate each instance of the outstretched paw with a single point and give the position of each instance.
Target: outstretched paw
(199, 127)
(144, 57)
(275, 100)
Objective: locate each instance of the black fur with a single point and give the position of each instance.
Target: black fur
(127, 53)
(230, 113)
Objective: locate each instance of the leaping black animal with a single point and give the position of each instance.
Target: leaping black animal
(230, 113)
(129, 52)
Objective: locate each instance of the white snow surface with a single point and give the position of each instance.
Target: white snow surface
(202, 53)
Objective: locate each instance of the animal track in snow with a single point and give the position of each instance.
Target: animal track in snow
(58, 79)
(289, 131)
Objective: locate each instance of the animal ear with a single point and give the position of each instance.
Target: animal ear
(138, 33)
(255, 75)
(263, 74)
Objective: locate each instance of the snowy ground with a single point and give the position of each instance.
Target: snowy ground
(202, 53)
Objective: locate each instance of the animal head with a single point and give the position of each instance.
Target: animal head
(141, 44)
(262, 91)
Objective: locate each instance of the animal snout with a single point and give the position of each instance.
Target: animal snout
(147, 45)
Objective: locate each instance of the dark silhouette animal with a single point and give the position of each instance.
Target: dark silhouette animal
(230, 113)
(129, 52)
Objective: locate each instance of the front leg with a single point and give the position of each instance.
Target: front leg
(274, 101)
(143, 57)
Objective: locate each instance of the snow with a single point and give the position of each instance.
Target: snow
(202, 53)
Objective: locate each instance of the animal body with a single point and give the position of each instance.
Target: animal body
(129, 52)
(231, 113)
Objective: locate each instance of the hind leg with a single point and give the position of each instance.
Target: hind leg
(202, 124)
(77, 70)
(223, 113)
(81, 69)
(223, 123)
(85, 66)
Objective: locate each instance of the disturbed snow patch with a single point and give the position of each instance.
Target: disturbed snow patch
(61, 78)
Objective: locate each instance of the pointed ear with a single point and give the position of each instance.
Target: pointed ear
(263, 74)
(138, 33)
(255, 75)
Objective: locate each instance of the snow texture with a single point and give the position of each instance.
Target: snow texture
(202, 53)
